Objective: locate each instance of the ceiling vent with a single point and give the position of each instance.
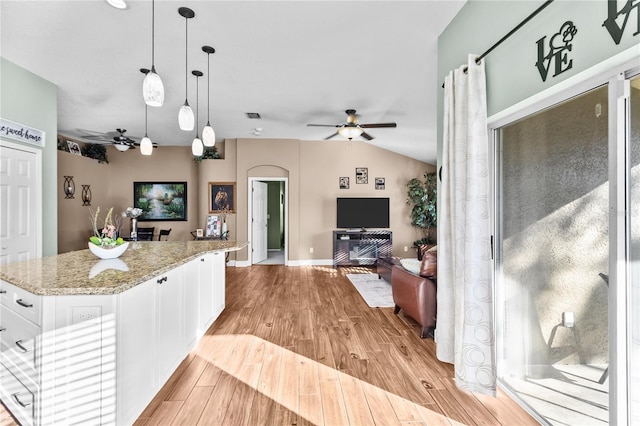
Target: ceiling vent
(253, 115)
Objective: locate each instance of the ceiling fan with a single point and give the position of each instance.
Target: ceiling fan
(352, 128)
(117, 138)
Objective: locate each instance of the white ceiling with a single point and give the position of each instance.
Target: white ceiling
(294, 62)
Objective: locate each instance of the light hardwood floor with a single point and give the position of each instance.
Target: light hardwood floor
(299, 346)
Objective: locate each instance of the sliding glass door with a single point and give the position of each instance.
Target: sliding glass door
(554, 252)
(568, 256)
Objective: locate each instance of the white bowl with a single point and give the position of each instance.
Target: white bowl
(411, 265)
(108, 253)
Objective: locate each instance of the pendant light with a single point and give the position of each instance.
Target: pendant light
(208, 134)
(152, 87)
(196, 146)
(146, 147)
(185, 116)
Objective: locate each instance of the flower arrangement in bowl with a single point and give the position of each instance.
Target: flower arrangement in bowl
(105, 243)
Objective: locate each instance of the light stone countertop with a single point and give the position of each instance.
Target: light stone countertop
(82, 273)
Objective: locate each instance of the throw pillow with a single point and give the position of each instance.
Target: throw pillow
(429, 265)
(411, 265)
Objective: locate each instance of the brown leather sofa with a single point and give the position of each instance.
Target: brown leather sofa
(416, 294)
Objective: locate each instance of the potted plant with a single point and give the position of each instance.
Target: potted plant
(423, 199)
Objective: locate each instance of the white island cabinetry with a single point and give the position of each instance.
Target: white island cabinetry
(100, 359)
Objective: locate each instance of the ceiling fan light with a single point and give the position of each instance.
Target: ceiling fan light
(196, 147)
(153, 89)
(118, 4)
(146, 147)
(122, 147)
(185, 117)
(208, 135)
(350, 132)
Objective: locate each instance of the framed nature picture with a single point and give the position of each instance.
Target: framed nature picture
(362, 175)
(161, 200)
(379, 183)
(344, 182)
(222, 197)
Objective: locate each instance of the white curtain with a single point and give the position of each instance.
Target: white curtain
(464, 334)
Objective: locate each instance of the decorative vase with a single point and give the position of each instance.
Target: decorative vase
(108, 253)
(224, 229)
(134, 228)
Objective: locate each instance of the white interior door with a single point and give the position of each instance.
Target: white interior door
(259, 222)
(18, 205)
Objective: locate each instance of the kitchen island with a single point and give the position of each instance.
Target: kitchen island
(85, 340)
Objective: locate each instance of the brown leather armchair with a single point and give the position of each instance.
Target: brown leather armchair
(417, 296)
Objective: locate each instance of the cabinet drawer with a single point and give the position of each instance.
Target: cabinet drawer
(26, 304)
(17, 397)
(19, 341)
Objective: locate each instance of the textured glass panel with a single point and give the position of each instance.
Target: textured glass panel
(555, 251)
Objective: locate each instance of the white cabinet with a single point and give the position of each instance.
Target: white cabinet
(219, 264)
(211, 288)
(170, 346)
(101, 359)
(192, 330)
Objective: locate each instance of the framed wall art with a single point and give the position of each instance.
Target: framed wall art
(343, 182)
(362, 175)
(222, 197)
(74, 148)
(379, 183)
(161, 200)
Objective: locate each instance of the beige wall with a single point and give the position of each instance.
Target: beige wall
(112, 186)
(312, 169)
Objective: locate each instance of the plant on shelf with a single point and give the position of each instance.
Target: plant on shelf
(96, 151)
(107, 237)
(423, 198)
(209, 153)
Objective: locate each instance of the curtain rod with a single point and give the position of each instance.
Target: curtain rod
(510, 33)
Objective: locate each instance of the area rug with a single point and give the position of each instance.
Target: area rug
(375, 291)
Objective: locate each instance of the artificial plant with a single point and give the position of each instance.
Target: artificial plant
(423, 199)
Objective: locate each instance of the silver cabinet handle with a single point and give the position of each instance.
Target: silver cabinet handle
(3, 291)
(2, 329)
(15, 396)
(21, 346)
(202, 259)
(161, 280)
(25, 304)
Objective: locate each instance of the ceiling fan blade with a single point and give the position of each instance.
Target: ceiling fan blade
(378, 125)
(329, 137)
(324, 125)
(367, 136)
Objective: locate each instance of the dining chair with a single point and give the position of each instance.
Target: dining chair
(164, 233)
(146, 234)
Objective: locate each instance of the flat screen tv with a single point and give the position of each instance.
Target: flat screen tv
(362, 213)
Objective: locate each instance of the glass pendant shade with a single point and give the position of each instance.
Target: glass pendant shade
(208, 135)
(350, 132)
(146, 147)
(153, 89)
(196, 147)
(185, 117)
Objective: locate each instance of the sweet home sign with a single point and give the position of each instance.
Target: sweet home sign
(22, 133)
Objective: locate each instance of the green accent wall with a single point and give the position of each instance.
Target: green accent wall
(511, 70)
(30, 100)
(275, 209)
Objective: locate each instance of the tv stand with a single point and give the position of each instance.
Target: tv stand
(360, 247)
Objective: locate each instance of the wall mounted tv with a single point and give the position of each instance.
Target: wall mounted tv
(362, 213)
